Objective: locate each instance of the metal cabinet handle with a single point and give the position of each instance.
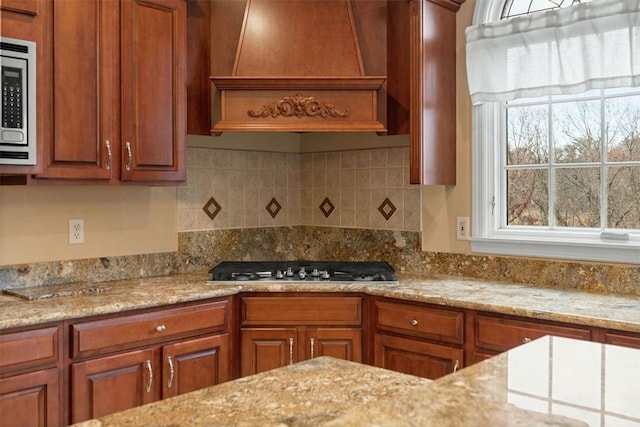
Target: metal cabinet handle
(312, 346)
(413, 322)
(107, 145)
(526, 340)
(150, 370)
(456, 366)
(161, 328)
(290, 351)
(171, 372)
(129, 156)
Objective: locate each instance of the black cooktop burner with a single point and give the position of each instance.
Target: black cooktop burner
(331, 271)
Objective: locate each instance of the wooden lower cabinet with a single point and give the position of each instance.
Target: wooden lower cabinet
(341, 343)
(625, 340)
(110, 384)
(114, 383)
(494, 334)
(31, 377)
(123, 361)
(263, 349)
(195, 364)
(31, 399)
(281, 329)
(415, 357)
(418, 339)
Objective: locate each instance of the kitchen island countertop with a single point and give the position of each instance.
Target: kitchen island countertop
(37, 305)
(549, 382)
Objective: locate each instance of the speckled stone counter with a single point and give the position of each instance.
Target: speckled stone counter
(548, 382)
(87, 299)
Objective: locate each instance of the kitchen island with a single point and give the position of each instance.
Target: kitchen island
(549, 382)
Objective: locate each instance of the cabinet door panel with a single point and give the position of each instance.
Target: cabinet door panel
(83, 90)
(341, 343)
(154, 95)
(30, 399)
(265, 349)
(416, 357)
(195, 364)
(111, 384)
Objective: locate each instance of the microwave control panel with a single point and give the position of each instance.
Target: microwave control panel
(18, 115)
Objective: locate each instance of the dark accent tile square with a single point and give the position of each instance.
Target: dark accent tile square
(211, 213)
(326, 207)
(273, 207)
(387, 209)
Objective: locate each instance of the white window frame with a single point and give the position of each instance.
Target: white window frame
(487, 203)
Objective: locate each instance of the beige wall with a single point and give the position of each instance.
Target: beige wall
(442, 204)
(118, 220)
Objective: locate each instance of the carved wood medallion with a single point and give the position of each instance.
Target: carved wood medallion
(299, 106)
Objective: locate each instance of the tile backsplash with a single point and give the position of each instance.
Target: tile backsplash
(245, 189)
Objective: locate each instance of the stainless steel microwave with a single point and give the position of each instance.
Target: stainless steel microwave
(18, 132)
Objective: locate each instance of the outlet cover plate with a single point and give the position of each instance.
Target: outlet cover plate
(76, 231)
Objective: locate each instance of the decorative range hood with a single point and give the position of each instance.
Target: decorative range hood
(298, 68)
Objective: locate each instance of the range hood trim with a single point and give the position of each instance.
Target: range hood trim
(298, 83)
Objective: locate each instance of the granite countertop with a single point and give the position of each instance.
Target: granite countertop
(549, 382)
(35, 305)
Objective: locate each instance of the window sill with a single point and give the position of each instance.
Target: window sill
(618, 252)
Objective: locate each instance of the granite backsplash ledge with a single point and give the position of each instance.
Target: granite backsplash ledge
(200, 250)
(88, 270)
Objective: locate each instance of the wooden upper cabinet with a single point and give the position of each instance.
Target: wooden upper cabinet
(84, 112)
(118, 90)
(154, 102)
(422, 85)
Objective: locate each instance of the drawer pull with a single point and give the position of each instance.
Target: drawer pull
(413, 322)
(161, 328)
(171, 372)
(290, 351)
(456, 366)
(150, 371)
(526, 340)
(312, 347)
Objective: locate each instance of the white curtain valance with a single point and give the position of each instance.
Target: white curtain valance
(587, 46)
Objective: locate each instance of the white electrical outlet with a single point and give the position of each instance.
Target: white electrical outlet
(76, 231)
(463, 232)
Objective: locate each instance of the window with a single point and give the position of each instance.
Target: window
(556, 175)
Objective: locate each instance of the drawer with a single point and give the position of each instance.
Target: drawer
(433, 323)
(29, 349)
(302, 311)
(497, 334)
(615, 338)
(129, 331)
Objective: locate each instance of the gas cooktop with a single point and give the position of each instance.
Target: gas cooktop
(318, 271)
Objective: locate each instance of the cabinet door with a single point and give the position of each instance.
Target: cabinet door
(111, 384)
(30, 399)
(84, 78)
(195, 364)
(268, 348)
(416, 357)
(154, 90)
(341, 343)
(432, 90)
